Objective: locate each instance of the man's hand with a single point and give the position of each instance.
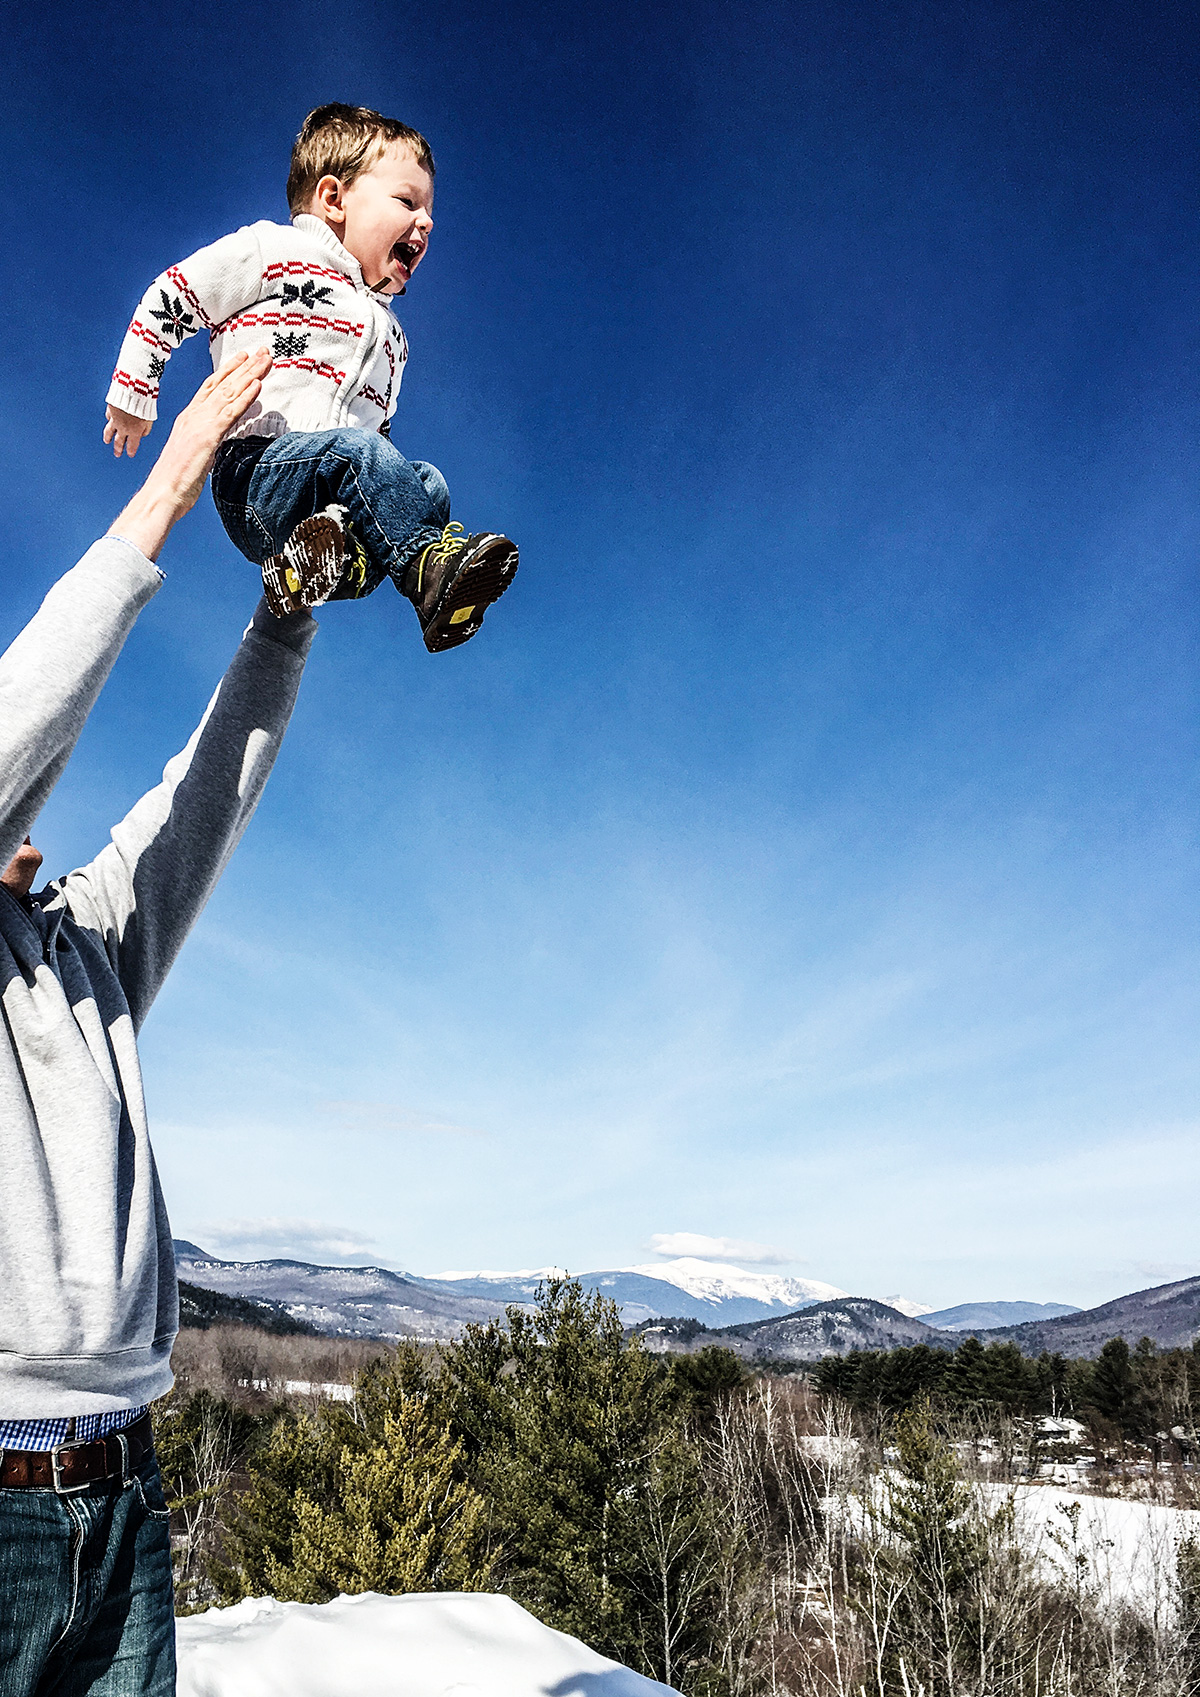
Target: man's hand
(125, 430)
(177, 477)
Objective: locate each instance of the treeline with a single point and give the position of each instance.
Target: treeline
(1139, 1393)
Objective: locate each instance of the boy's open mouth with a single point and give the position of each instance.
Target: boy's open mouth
(406, 253)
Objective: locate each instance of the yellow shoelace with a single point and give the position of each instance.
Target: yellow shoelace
(440, 551)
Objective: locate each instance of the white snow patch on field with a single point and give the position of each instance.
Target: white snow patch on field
(1130, 1546)
(432, 1644)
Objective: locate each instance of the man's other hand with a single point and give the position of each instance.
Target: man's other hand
(177, 477)
(125, 430)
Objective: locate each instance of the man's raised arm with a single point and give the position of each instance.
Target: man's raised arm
(145, 890)
(52, 673)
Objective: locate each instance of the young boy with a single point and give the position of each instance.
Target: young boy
(308, 485)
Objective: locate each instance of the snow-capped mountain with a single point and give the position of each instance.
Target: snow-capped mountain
(685, 1289)
(716, 1281)
(905, 1305)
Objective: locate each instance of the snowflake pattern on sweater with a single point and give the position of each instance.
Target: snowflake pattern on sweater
(339, 354)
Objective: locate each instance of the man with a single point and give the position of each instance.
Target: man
(88, 1302)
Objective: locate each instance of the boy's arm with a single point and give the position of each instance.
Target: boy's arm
(200, 293)
(144, 891)
(52, 673)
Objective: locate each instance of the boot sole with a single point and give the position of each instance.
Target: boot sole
(306, 573)
(481, 581)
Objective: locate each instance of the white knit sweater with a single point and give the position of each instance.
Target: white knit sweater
(339, 353)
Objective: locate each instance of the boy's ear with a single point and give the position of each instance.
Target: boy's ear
(327, 200)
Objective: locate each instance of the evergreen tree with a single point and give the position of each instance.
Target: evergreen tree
(579, 1442)
(400, 1520)
(1009, 1380)
(365, 1496)
(911, 1375)
(698, 1382)
(561, 1416)
(1112, 1383)
(968, 1380)
(1050, 1381)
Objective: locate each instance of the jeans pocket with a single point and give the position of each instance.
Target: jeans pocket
(245, 530)
(150, 1492)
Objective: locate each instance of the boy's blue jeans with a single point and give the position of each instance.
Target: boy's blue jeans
(86, 1601)
(264, 487)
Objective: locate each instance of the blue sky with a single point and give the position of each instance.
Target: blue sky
(806, 851)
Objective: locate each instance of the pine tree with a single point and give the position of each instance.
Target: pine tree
(968, 1376)
(579, 1441)
(1112, 1387)
(561, 1415)
(401, 1520)
(366, 1496)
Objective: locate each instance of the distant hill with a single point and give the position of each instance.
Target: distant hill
(974, 1316)
(363, 1302)
(1170, 1314)
(374, 1302)
(199, 1309)
(827, 1328)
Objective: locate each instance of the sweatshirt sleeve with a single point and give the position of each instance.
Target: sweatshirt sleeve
(54, 670)
(145, 890)
(199, 293)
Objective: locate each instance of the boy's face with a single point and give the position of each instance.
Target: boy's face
(386, 217)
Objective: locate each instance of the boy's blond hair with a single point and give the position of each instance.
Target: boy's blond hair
(343, 142)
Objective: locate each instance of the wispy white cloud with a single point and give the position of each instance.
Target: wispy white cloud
(703, 1248)
(305, 1239)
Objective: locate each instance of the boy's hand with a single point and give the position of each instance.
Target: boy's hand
(177, 477)
(125, 430)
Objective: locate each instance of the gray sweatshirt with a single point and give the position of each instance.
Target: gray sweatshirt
(88, 1304)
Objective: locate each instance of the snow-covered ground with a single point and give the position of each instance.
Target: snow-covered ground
(1119, 1551)
(433, 1644)
(1130, 1546)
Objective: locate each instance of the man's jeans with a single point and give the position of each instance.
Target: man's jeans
(86, 1603)
(263, 488)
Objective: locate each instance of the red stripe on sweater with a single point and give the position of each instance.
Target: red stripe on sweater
(144, 333)
(149, 390)
(303, 268)
(318, 368)
(189, 294)
(340, 326)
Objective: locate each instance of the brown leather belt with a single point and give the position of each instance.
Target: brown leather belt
(73, 1467)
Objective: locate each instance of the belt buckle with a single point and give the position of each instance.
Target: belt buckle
(56, 1469)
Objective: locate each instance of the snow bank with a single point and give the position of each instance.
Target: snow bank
(432, 1644)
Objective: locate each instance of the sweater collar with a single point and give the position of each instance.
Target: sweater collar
(324, 237)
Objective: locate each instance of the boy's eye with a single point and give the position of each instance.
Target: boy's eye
(403, 198)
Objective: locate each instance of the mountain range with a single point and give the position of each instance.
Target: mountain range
(694, 1290)
(1168, 1314)
(377, 1302)
(760, 1315)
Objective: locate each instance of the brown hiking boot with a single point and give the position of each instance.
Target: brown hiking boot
(307, 571)
(454, 581)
